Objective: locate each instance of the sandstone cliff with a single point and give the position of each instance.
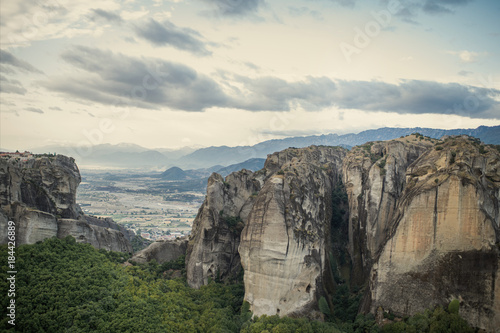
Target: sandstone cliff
(419, 222)
(39, 194)
(285, 243)
(443, 237)
(374, 175)
(285, 210)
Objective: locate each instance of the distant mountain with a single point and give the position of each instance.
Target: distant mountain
(252, 164)
(128, 155)
(123, 155)
(233, 155)
(174, 173)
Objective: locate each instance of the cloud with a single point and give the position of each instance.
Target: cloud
(55, 108)
(418, 97)
(103, 14)
(35, 110)
(466, 56)
(464, 73)
(10, 86)
(146, 82)
(407, 97)
(437, 7)
(411, 9)
(345, 3)
(157, 84)
(302, 11)
(9, 59)
(166, 33)
(236, 7)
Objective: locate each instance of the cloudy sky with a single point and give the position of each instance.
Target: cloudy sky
(175, 73)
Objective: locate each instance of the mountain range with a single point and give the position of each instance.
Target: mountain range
(128, 155)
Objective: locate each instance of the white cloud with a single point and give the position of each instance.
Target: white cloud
(467, 56)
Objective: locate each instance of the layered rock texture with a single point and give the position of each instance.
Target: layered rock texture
(417, 217)
(39, 194)
(276, 223)
(213, 246)
(443, 237)
(284, 245)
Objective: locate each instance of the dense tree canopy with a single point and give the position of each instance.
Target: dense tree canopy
(65, 286)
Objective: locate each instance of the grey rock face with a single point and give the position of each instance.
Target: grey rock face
(213, 245)
(161, 251)
(39, 194)
(374, 176)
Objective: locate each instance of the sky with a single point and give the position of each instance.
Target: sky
(176, 73)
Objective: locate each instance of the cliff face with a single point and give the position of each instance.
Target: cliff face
(39, 193)
(443, 239)
(375, 175)
(284, 245)
(213, 246)
(423, 227)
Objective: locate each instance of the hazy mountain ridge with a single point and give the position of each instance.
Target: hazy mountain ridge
(126, 155)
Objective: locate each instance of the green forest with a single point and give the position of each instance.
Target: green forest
(65, 286)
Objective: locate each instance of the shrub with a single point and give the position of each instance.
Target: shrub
(454, 306)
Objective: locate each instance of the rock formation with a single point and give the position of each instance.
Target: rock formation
(38, 193)
(213, 246)
(161, 251)
(374, 176)
(285, 211)
(443, 237)
(284, 245)
(420, 224)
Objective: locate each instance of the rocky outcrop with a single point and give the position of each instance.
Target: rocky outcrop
(38, 193)
(161, 251)
(443, 237)
(422, 227)
(375, 175)
(284, 245)
(213, 245)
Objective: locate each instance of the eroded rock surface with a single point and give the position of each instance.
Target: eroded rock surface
(213, 245)
(285, 241)
(38, 193)
(444, 235)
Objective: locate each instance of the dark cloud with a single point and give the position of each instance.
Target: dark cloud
(115, 79)
(166, 33)
(55, 108)
(252, 66)
(464, 73)
(410, 9)
(32, 109)
(407, 97)
(98, 14)
(236, 7)
(154, 83)
(418, 97)
(274, 94)
(11, 86)
(9, 59)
